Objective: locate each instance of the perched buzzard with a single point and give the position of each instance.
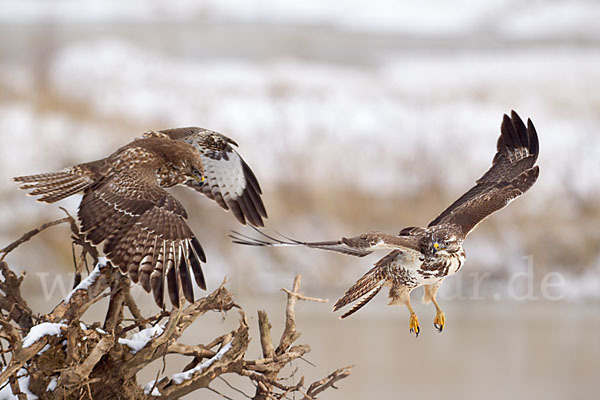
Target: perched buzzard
(142, 227)
(425, 256)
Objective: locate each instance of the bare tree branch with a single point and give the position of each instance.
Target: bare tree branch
(27, 236)
(66, 359)
(11, 300)
(328, 382)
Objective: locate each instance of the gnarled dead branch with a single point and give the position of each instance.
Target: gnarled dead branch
(56, 356)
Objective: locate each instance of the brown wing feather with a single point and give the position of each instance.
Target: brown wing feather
(229, 180)
(512, 173)
(358, 246)
(362, 291)
(144, 232)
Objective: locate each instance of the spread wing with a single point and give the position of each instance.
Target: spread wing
(229, 180)
(512, 173)
(144, 232)
(358, 246)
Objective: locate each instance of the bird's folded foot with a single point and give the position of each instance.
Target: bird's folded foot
(414, 325)
(439, 321)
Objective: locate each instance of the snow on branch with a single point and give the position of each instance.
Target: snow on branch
(57, 356)
(89, 281)
(140, 339)
(44, 329)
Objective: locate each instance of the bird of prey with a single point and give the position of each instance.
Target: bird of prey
(141, 226)
(426, 256)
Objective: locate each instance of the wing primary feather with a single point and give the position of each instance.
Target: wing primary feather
(534, 144)
(510, 133)
(249, 211)
(198, 249)
(236, 210)
(250, 177)
(344, 246)
(257, 202)
(172, 286)
(157, 277)
(197, 268)
(520, 129)
(241, 238)
(184, 273)
(513, 167)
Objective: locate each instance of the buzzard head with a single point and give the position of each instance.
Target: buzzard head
(194, 171)
(187, 161)
(445, 239)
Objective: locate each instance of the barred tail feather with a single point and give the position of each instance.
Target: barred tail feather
(363, 290)
(363, 300)
(53, 186)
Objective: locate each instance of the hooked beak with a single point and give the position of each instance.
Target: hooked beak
(436, 248)
(199, 177)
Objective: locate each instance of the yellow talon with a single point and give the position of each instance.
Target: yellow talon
(414, 325)
(439, 321)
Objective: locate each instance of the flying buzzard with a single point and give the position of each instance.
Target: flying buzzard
(142, 227)
(425, 256)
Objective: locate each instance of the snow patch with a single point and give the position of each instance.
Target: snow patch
(87, 282)
(41, 330)
(7, 394)
(52, 384)
(140, 339)
(42, 351)
(179, 378)
(150, 385)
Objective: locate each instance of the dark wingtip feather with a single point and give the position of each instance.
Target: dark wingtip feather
(198, 249)
(249, 210)
(250, 177)
(515, 116)
(520, 130)
(509, 132)
(158, 291)
(198, 274)
(173, 287)
(237, 211)
(256, 201)
(534, 144)
(186, 280)
(197, 255)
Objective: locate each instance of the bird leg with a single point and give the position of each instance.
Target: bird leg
(440, 319)
(430, 295)
(413, 325)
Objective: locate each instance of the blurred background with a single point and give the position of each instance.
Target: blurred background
(354, 116)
